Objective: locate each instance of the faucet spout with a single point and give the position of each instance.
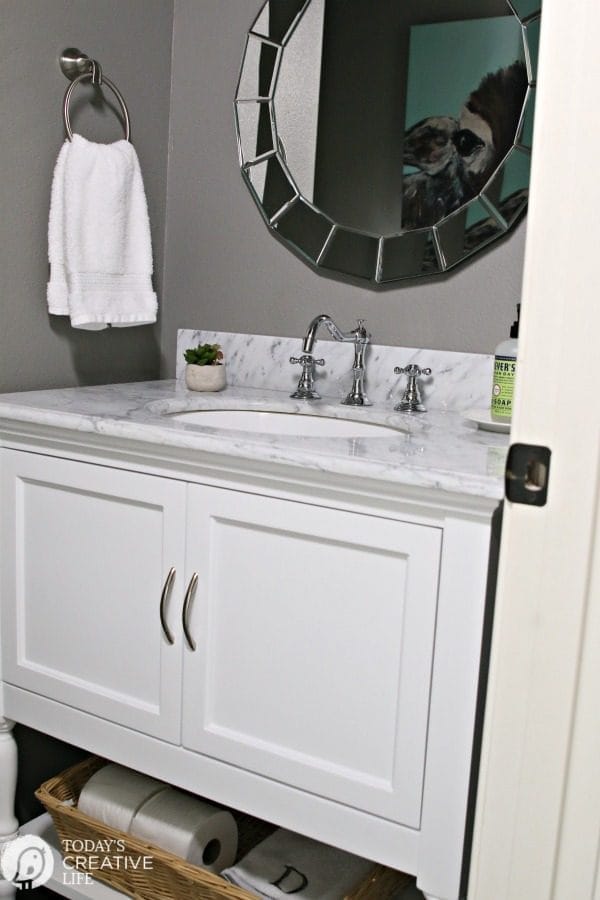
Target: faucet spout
(359, 336)
(311, 334)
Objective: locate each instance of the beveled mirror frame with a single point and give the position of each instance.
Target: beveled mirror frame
(340, 250)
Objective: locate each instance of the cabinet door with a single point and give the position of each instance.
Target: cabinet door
(314, 633)
(86, 550)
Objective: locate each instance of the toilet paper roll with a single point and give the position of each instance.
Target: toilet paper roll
(191, 828)
(114, 794)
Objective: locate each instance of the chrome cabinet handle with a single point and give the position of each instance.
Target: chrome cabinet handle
(189, 596)
(166, 591)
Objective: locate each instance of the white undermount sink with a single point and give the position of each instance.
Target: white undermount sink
(298, 425)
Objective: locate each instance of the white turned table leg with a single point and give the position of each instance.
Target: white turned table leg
(9, 826)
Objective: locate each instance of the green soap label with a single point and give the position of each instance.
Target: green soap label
(505, 368)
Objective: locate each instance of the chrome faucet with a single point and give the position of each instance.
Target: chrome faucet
(306, 385)
(411, 399)
(358, 336)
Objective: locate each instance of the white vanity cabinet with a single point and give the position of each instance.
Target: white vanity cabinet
(315, 632)
(85, 550)
(315, 661)
(310, 629)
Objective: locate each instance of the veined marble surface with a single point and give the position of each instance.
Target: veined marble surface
(459, 381)
(438, 450)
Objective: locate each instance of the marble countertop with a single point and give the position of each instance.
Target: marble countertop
(438, 450)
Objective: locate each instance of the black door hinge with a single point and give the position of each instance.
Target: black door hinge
(527, 472)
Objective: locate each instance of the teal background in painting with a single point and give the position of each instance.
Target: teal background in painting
(447, 62)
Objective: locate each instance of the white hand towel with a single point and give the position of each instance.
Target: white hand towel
(99, 237)
(287, 863)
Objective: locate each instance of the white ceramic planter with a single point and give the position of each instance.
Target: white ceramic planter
(205, 378)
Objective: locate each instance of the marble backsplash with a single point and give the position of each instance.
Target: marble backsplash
(458, 381)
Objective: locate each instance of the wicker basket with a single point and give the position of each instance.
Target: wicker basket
(170, 878)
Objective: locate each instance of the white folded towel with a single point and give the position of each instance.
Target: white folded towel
(99, 237)
(287, 863)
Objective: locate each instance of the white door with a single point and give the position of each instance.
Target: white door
(86, 551)
(538, 829)
(314, 632)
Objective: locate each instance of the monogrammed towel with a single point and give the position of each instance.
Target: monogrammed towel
(287, 863)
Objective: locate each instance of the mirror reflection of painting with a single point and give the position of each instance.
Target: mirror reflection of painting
(354, 78)
(461, 134)
(386, 139)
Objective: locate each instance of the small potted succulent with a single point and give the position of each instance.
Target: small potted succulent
(205, 370)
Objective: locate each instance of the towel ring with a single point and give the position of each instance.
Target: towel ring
(92, 76)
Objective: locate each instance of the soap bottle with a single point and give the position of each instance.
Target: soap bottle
(505, 369)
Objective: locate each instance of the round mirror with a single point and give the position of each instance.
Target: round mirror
(384, 139)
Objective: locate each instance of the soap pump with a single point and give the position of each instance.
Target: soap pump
(505, 369)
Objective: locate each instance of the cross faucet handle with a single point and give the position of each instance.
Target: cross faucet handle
(413, 371)
(306, 360)
(411, 399)
(306, 384)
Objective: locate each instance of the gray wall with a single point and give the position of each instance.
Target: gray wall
(225, 271)
(132, 39)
